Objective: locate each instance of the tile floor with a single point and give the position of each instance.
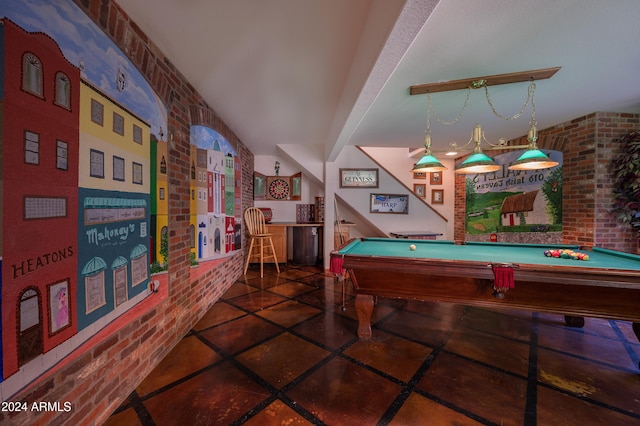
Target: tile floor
(280, 351)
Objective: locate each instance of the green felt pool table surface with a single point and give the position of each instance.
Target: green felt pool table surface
(531, 254)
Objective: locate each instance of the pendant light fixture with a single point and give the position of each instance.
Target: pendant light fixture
(533, 158)
(478, 161)
(428, 163)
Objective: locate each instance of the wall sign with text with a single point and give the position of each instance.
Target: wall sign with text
(358, 178)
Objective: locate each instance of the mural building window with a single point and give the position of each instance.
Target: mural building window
(118, 124)
(32, 74)
(62, 155)
(94, 288)
(31, 147)
(137, 173)
(96, 164)
(58, 306)
(97, 112)
(139, 264)
(120, 281)
(137, 134)
(118, 168)
(63, 90)
(163, 166)
(44, 207)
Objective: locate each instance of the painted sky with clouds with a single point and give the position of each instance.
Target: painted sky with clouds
(87, 47)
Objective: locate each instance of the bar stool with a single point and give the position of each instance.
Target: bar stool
(258, 236)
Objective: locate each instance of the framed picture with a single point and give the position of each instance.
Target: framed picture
(420, 189)
(389, 203)
(419, 175)
(437, 196)
(435, 178)
(358, 178)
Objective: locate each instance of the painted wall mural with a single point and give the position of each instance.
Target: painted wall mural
(215, 180)
(515, 200)
(83, 183)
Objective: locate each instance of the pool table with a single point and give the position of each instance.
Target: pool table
(607, 285)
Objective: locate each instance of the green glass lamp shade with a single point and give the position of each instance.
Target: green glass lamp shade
(478, 163)
(428, 163)
(533, 159)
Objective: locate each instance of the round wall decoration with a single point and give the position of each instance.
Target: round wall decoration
(279, 189)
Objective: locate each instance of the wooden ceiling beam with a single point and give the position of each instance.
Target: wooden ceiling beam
(490, 80)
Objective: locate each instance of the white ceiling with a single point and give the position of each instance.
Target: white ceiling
(337, 72)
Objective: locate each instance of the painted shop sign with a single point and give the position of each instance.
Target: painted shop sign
(106, 235)
(34, 263)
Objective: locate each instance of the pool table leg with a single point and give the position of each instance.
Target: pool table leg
(364, 308)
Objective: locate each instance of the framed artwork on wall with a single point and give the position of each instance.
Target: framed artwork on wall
(389, 203)
(419, 175)
(437, 196)
(420, 189)
(435, 178)
(358, 178)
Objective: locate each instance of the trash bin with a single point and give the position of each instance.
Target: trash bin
(305, 245)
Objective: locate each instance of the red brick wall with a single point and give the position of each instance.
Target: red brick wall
(97, 379)
(588, 144)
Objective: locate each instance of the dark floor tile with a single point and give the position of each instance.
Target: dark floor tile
(588, 379)
(282, 359)
(420, 411)
(556, 408)
(239, 334)
(219, 313)
(268, 281)
(322, 298)
(189, 356)
(215, 397)
(238, 289)
(277, 413)
(332, 331)
(417, 327)
(490, 394)
(383, 350)
(576, 341)
(342, 393)
(256, 301)
(506, 354)
(291, 289)
(294, 274)
(504, 322)
(289, 313)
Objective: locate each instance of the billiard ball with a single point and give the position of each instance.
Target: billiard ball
(412, 247)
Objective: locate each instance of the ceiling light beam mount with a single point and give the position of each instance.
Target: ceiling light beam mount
(478, 82)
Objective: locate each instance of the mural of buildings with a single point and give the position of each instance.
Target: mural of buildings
(39, 245)
(159, 198)
(114, 215)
